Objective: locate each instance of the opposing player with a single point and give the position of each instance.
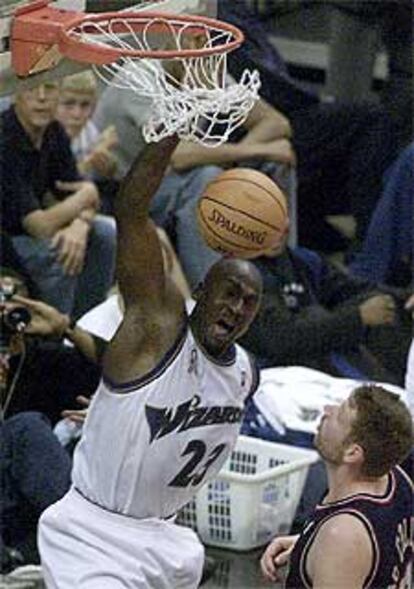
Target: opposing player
(164, 418)
(361, 535)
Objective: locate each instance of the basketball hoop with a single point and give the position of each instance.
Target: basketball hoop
(178, 62)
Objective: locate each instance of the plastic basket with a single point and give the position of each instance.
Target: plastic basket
(253, 498)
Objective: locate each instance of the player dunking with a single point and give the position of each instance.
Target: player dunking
(361, 535)
(164, 418)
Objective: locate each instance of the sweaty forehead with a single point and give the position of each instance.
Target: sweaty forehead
(240, 270)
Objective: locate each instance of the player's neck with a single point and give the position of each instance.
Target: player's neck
(342, 484)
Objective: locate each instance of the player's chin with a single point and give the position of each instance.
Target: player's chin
(220, 340)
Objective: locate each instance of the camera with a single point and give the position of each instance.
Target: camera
(12, 321)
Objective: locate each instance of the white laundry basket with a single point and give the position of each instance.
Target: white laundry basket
(253, 498)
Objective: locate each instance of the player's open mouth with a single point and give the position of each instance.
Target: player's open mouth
(222, 328)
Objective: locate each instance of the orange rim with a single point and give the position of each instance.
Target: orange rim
(78, 49)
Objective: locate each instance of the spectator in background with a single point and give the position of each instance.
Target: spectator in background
(390, 22)
(317, 315)
(174, 207)
(35, 363)
(387, 251)
(342, 150)
(92, 149)
(49, 212)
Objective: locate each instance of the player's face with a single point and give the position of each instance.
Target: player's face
(36, 108)
(74, 110)
(231, 304)
(333, 431)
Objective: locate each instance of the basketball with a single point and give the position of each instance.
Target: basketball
(242, 212)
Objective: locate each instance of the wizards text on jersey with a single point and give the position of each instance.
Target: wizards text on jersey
(165, 420)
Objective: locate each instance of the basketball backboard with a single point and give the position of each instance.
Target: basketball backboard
(9, 82)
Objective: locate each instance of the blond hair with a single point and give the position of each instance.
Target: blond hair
(84, 82)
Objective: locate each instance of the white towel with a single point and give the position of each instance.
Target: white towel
(294, 397)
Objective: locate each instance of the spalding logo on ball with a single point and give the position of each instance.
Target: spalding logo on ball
(243, 212)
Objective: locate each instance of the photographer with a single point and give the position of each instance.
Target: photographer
(35, 388)
(34, 361)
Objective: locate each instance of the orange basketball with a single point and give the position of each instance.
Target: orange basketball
(243, 212)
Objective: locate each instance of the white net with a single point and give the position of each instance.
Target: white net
(190, 96)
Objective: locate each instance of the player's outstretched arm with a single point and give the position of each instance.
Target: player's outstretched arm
(140, 270)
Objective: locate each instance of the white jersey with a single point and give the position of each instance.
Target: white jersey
(150, 444)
